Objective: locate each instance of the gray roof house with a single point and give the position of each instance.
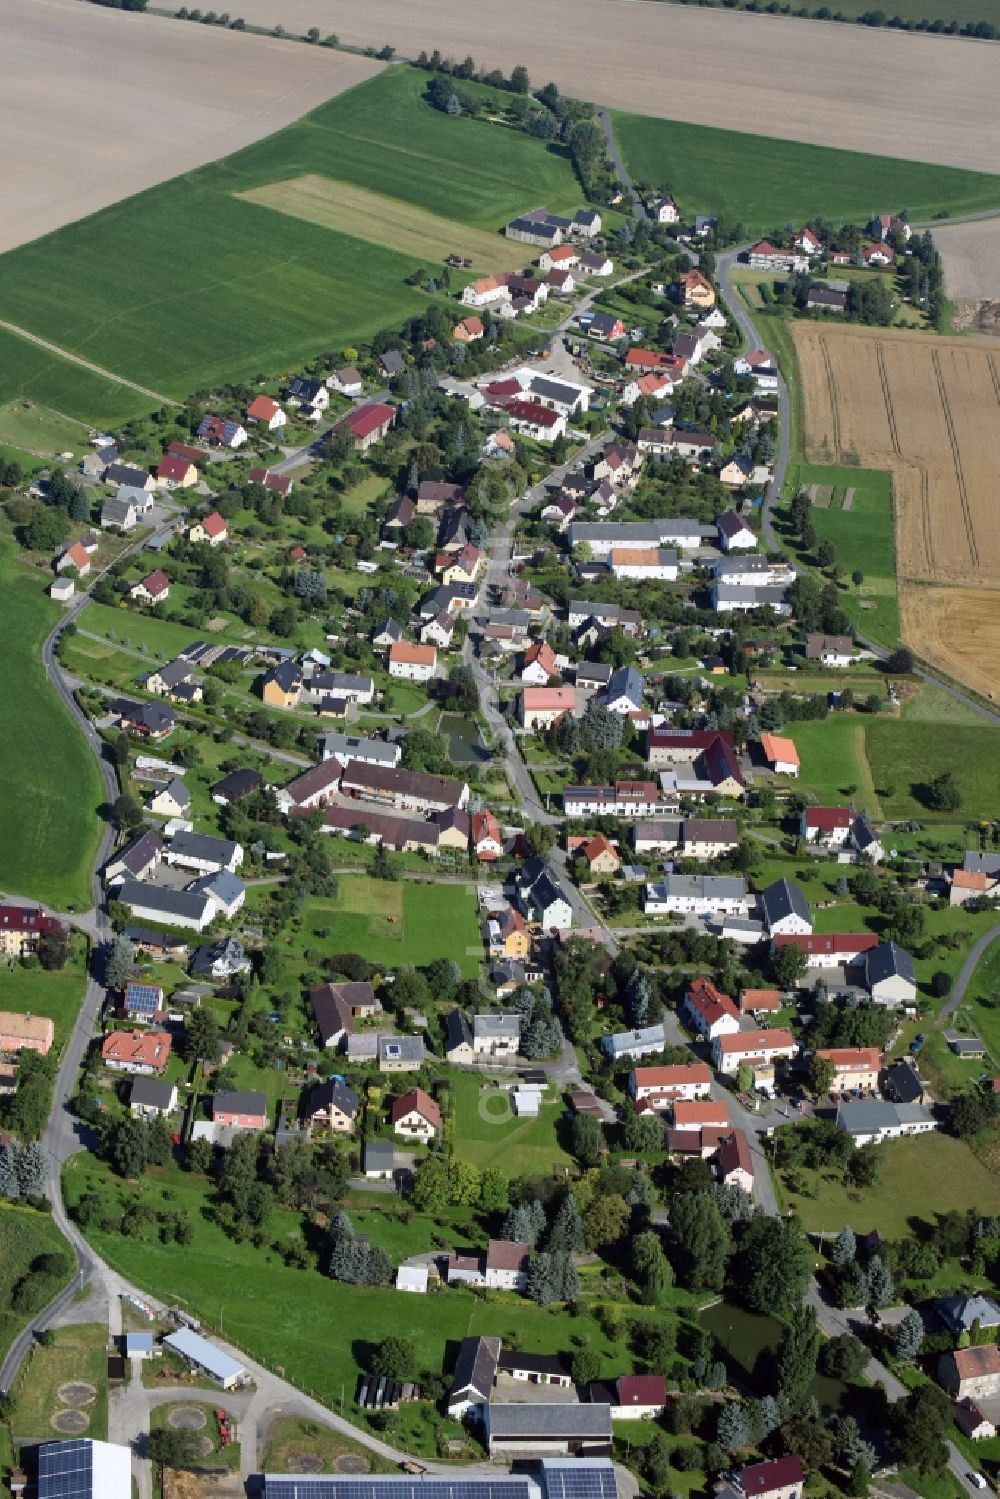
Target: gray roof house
(475, 1372)
(641, 1043)
(624, 690)
(785, 909)
(553, 1427)
(872, 1120)
(457, 1036)
(137, 859)
(378, 1158)
(400, 1053)
(958, 1313)
(889, 974)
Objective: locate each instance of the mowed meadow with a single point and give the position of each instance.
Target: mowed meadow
(207, 286)
(765, 183)
(50, 786)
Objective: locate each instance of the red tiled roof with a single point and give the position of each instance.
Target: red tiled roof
(156, 581)
(413, 655)
(140, 1048)
(834, 943)
(416, 1099)
(365, 420)
(262, 408)
(530, 411)
(173, 466)
(642, 1389)
(826, 819)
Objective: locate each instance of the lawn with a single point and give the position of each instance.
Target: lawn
(906, 754)
(40, 430)
(55, 995)
(487, 1133)
(395, 922)
(24, 1234)
(764, 183)
(920, 1177)
(271, 290)
(50, 786)
(832, 752)
(76, 1354)
(317, 1332)
(979, 1013)
(864, 540)
(289, 1438)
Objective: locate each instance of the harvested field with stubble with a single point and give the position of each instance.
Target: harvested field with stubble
(924, 98)
(928, 410)
(970, 255)
(177, 97)
(382, 220)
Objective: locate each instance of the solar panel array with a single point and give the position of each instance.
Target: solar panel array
(66, 1470)
(292, 1486)
(579, 1480)
(144, 998)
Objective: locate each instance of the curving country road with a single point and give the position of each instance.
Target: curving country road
(966, 971)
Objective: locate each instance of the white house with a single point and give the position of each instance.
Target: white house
(415, 663)
(870, 1121)
(749, 1048)
(629, 562)
(734, 533)
(662, 1086)
(708, 1011)
(496, 1035)
(696, 895)
(785, 910)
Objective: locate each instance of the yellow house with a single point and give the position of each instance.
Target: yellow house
(514, 935)
(282, 686)
(465, 568)
(697, 290)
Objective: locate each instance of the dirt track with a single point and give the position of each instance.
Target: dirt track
(98, 104)
(926, 98)
(927, 409)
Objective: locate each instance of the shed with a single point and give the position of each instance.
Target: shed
(227, 1371)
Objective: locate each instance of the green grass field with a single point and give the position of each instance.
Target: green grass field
(397, 922)
(864, 540)
(24, 1235)
(833, 758)
(245, 288)
(55, 995)
(908, 753)
(488, 1133)
(40, 430)
(50, 787)
(931, 1174)
(764, 183)
(29, 371)
(76, 1354)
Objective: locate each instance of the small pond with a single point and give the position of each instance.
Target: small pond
(744, 1336)
(461, 735)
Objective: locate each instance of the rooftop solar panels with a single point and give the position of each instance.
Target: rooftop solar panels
(84, 1469)
(294, 1486)
(143, 999)
(581, 1478)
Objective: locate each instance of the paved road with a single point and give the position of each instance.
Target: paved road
(604, 120)
(737, 309)
(965, 973)
(96, 369)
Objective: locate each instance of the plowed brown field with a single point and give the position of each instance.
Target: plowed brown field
(927, 409)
